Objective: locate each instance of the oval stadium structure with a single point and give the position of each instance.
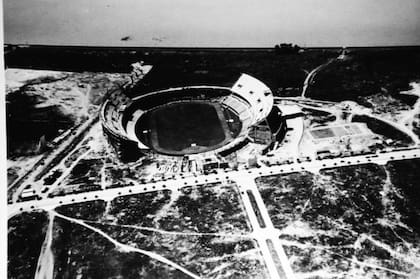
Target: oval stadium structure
(192, 119)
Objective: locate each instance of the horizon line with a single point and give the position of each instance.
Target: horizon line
(203, 47)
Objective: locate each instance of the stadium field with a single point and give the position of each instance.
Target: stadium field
(187, 127)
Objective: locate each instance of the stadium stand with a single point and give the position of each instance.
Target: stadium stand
(249, 99)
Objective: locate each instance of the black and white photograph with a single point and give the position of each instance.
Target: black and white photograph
(166, 139)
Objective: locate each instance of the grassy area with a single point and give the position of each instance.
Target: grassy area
(217, 208)
(209, 208)
(26, 233)
(200, 209)
(178, 66)
(139, 209)
(367, 72)
(87, 171)
(284, 195)
(384, 129)
(405, 176)
(346, 213)
(80, 252)
(180, 125)
(91, 210)
(27, 123)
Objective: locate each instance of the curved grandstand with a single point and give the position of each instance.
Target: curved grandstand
(186, 120)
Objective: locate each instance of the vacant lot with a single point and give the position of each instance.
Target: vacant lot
(342, 215)
(203, 229)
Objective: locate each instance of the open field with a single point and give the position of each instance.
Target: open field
(367, 72)
(203, 229)
(346, 221)
(26, 233)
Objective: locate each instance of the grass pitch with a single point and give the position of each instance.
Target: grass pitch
(188, 127)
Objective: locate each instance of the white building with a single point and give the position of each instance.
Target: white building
(337, 139)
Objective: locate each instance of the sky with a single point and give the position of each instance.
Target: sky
(212, 23)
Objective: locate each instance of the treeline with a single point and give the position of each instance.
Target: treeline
(285, 48)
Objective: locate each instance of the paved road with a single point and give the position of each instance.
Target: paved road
(263, 232)
(262, 228)
(313, 166)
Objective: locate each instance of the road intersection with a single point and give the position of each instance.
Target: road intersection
(263, 230)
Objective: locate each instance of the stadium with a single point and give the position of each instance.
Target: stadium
(189, 120)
